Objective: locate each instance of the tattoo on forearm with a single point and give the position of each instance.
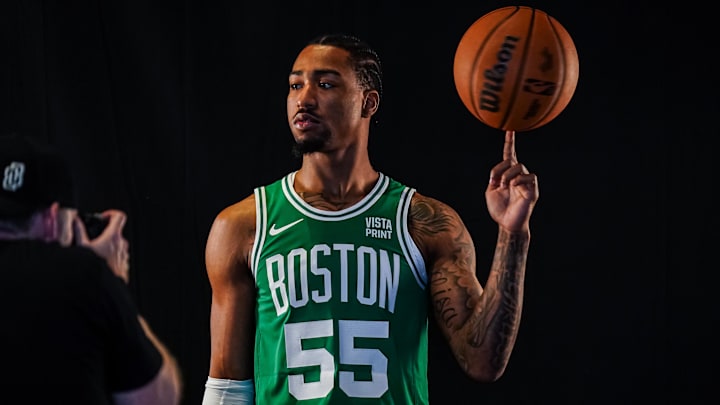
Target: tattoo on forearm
(508, 273)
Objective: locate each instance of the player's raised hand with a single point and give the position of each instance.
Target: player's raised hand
(512, 191)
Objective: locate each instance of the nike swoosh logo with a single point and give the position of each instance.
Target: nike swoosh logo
(274, 231)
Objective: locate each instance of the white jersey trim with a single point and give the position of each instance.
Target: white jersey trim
(260, 228)
(323, 215)
(410, 250)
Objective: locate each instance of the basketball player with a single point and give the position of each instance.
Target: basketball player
(321, 281)
(71, 332)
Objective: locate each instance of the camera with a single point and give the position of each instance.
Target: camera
(94, 223)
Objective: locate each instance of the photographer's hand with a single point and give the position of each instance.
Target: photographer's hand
(110, 244)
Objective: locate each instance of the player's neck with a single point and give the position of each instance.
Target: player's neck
(334, 187)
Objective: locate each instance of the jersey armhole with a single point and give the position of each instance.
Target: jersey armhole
(260, 228)
(410, 249)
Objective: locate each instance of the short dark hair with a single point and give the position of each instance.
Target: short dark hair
(365, 60)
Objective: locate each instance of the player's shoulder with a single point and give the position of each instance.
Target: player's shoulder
(238, 210)
(423, 201)
(235, 219)
(431, 213)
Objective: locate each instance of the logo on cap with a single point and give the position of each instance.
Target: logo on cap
(13, 176)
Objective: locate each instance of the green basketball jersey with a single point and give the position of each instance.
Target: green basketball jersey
(342, 300)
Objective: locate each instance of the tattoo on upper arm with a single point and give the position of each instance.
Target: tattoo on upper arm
(451, 296)
(428, 218)
(442, 300)
(454, 293)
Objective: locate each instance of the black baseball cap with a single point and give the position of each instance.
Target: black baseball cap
(32, 176)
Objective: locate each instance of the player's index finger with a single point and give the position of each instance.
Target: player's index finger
(509, 147)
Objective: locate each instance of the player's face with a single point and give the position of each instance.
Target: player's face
(324, 102)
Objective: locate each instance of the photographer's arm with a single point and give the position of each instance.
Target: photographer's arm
(166, 386)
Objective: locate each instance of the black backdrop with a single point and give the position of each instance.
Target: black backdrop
(172, 110)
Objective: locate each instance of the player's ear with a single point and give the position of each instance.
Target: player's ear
(370, 104)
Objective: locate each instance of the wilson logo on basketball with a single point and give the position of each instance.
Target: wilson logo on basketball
(494, 77)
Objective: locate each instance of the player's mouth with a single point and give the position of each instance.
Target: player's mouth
(304, 121)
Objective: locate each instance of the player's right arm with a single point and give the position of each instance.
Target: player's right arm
(232, 313)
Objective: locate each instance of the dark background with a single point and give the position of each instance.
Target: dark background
(172, 110)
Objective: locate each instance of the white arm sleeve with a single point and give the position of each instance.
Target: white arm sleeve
(220, 391)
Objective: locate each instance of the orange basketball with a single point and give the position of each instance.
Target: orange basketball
(516, 68)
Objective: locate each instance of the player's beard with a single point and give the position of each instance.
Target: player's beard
(309, 145)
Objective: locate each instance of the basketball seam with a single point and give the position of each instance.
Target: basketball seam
(521, 70)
